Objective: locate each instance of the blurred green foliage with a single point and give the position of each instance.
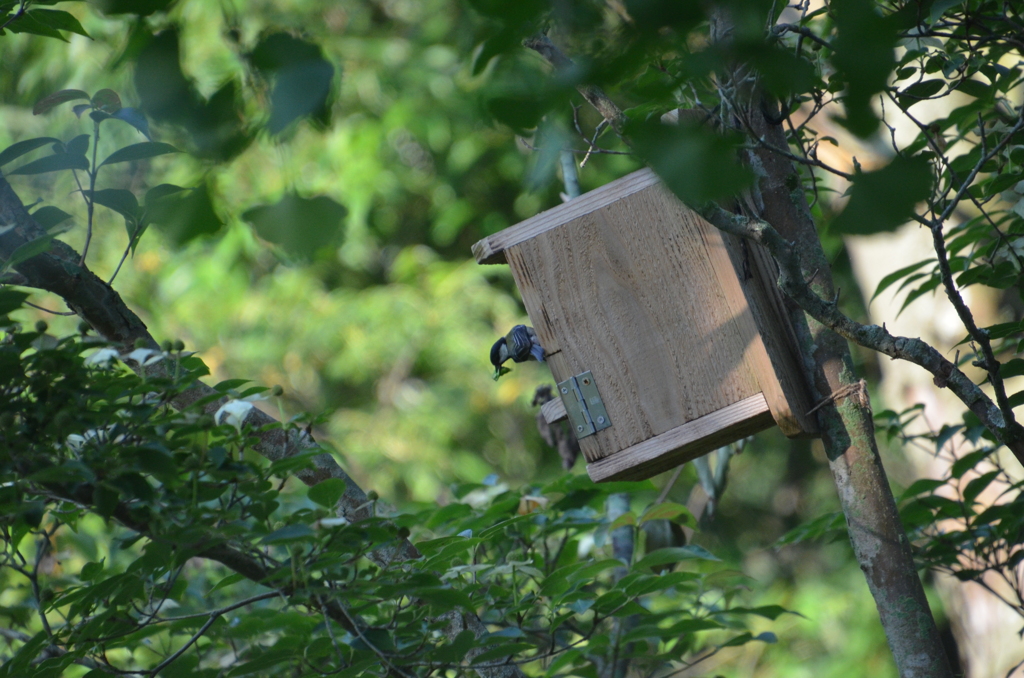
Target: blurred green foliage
(384, 130)
(120, 513)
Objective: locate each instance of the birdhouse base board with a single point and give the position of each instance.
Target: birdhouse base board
(683, 443)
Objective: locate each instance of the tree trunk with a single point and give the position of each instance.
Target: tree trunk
(876, 533)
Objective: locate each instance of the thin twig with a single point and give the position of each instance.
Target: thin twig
(668, 486)
(195, 637)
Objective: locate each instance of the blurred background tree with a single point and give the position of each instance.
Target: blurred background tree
(398, 134)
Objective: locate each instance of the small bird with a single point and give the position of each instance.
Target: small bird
(520, 344)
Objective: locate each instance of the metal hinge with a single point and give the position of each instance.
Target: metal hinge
(583, 405)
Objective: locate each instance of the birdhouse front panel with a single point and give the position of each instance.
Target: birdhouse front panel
(628, 288)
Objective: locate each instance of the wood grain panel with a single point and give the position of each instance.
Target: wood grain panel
(553, 410)
(778, 366)
(491, 250)
(630, 292)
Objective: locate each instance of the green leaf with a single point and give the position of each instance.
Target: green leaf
(976, 89)
(883, 200)
(297, 532)
(673, 555)
(57, 98)
(627, 519)
(968, 462)
(227, 581)
(502, 652)
(1012, 368)
(57, 19)
(28, 23)
(302, 78)
(895, 276)
(695, 163)
(978, 485)
(772, 612)
(919, 91)
(1001, 182)
(79, 145)
(694, 625)
(668, 510)
(831, 526)
(919, 292)
(301, 226)
(139, 151)
(939, 8)
(185, 216)
(327, 492)
(161, 191)
(11, 300)
(27, 251)
(921, 486)
(456, 650)
(1003, 330)
(120, 200)
(946, 433)
(107, 101)
(865, 56)
(53, 163)
(49, 216)
(135, 118)
(228, 384)
(16, 150)
(91, 571)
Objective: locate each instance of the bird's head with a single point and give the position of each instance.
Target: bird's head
(499, 354)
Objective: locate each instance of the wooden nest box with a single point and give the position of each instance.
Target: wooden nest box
(667, 338)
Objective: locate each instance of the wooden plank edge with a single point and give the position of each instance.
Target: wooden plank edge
(785, 357)
(684, 443)
(553, 410)
(491, 249)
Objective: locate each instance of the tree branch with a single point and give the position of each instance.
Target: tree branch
(595, 96)
(791, 281)
(59, 271)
